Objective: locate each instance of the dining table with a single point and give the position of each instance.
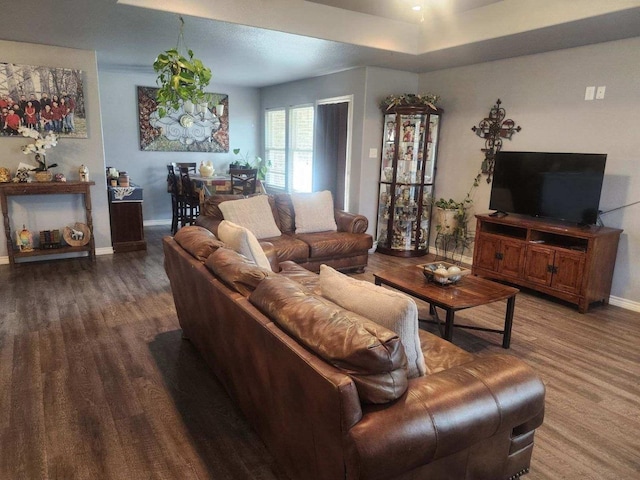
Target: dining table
(207, 186)
(216, 185)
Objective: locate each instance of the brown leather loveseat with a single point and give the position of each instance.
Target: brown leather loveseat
(344, 249)
(332, 402)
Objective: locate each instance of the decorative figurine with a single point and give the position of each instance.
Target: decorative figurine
(5, 175)
(22, 176)
(84, 173)
(59, 177)
(206, 169)
(24, 240)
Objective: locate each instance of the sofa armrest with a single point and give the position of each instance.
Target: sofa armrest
(272, 255)
(446, 412)
(350, 222)
(208, 222)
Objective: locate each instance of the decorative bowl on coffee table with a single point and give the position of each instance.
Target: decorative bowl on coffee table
(443, 273)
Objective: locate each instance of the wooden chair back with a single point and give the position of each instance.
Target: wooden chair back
(243, 180)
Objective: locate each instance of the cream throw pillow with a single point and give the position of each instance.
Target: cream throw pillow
(393, 310)
(314, 212)
(253, 213)
(244, 242)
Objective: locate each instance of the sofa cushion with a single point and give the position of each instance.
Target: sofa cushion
(289, 248)
(211, 205)
(304, 277)
(335, 244)
(393, 310)
(198, 241)
(285, 214)
(236, 271)
(244, 242)
(253, 213)
(314, 212)
(371, 354)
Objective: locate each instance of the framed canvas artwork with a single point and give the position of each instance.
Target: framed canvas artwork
(191, 128)
(43, 98)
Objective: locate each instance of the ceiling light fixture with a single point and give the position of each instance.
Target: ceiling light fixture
(416, 8)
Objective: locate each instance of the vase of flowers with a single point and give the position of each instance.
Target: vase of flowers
(39, 147)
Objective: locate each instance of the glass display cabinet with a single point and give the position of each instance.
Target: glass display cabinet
(407, 173)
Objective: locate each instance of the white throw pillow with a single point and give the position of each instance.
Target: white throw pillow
(393, 310)
(314, 212)
(253, 213)
(244, 242)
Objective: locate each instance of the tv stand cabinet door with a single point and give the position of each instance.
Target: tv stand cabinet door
(568, 273)
(487, 252)
(512, 253)
(538, 267)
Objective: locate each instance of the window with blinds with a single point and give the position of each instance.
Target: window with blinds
(289, 148)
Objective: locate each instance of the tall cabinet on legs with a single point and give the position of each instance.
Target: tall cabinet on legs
(407, 175)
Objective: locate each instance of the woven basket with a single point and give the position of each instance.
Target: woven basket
(68, 235)
(45, 176)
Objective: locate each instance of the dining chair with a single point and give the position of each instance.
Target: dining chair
(191, 166)
(243, 180)
(190, 206)
(174, 189)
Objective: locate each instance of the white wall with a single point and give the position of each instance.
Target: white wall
(381, 82)
(368, 86)
(307, 92)
(544, 94)
(57, 211)
(118, 91)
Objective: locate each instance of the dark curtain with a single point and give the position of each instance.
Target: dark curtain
(330, 156)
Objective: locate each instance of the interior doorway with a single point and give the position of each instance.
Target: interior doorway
(333, 147)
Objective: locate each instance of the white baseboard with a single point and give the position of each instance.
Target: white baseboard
(153, 223)
(104, 251)
(624, 303)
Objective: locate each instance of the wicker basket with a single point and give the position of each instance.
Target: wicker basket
(432, 273)
(79, 238)
(45, 176)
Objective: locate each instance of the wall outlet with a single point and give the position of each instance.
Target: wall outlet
(590, 93)
(600, 92)
(373, 153)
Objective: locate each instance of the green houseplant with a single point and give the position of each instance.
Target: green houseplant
(251, 161)
(453, 237)
(181, 78)
(409, 99)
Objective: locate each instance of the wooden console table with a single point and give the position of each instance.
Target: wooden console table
(46, 188)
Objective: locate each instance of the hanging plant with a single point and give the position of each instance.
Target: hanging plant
(180, 78)
(409, 99)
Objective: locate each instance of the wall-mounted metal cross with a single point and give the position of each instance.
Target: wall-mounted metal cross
(493, 129)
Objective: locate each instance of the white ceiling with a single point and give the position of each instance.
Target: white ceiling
(265, 42)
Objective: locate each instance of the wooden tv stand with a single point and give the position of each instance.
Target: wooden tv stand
(563, 260)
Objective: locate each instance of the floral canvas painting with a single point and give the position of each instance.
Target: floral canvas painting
(46, 99)
(191, 128)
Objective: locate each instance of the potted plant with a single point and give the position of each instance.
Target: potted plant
(181, 79)
(251, 161)
(409, 99)
(453, 236)
(39, 147)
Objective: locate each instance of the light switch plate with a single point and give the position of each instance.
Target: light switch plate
(590, 93)
(600, 92)
(373, 153)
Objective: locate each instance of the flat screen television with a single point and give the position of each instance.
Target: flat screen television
(560, 186)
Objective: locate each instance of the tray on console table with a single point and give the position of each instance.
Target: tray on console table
(46, 188)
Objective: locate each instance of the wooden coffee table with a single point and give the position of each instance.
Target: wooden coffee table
(470, 292)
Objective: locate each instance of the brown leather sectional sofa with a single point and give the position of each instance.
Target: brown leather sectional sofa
(469, 417)
(345, 249)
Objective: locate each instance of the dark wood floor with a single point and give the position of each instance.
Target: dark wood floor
(96, 383)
